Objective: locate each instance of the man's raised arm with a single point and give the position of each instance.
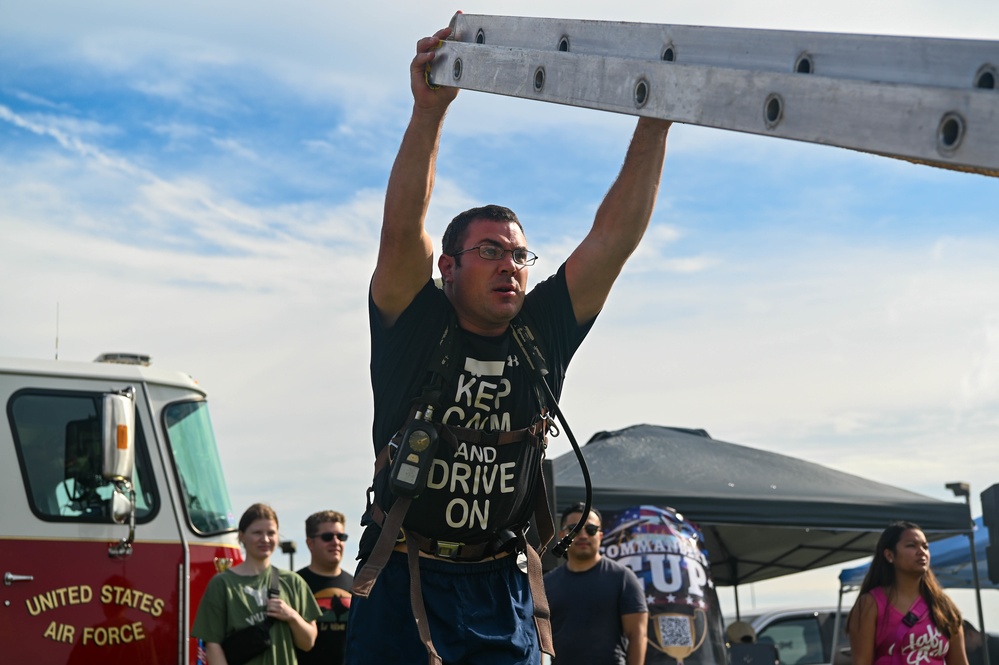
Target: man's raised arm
(620, 221)
(405, 253)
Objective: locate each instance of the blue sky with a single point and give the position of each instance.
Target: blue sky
(204, 184)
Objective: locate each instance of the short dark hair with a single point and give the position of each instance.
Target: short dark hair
(579, 507)
(322, 517)
(454, 234)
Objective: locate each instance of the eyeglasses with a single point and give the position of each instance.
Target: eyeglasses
(329, 536)
(590, 529)
(521, 256)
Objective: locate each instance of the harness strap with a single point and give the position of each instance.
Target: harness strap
(535, 574)
(481, 437)
(473, 436)
(443, 363)
(382, 460)
(416, 602)
(528, 345)
(379, 556)
(543, 520)
(903, 628)
(542, 613)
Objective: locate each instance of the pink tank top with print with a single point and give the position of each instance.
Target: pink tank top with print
(898, 644)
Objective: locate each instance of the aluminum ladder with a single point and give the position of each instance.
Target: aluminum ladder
(926, 100)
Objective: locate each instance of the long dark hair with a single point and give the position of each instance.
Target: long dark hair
(881, 573)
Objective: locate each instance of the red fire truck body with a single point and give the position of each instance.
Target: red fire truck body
(115, 512)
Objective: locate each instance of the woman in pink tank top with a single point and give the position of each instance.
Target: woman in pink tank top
(902, 616)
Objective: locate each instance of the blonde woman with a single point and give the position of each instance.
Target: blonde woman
(241, 596)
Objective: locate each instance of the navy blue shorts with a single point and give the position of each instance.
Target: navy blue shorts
(479, 613)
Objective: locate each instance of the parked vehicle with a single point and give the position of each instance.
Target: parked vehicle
(805, 637)
(115, 511)
(802, 636)
(973, 645)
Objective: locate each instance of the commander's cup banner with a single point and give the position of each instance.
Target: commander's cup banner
(669, 557)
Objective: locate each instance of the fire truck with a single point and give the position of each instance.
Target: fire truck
(115, 512)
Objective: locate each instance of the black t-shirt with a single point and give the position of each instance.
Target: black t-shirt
(333, 596)
(492, 389)
(586, 610)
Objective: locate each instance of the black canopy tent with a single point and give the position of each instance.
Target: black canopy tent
(762, 514)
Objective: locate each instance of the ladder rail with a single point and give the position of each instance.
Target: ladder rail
(933, 61)
(951, 127)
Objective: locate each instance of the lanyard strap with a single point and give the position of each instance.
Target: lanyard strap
(916, 611)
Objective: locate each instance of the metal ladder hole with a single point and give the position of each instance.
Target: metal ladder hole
(950, 132)
(563, 44)
(539, 79)
(773, 110)
(641, 93)
(480, 37)
(803, 65)
(669, 53)
(456, 69)
(986, 78)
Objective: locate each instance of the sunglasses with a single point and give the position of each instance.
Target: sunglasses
(329, 536)
(590, 529)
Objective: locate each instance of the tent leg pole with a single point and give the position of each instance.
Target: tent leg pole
(978, 595)
(836, 627)
(738, 614)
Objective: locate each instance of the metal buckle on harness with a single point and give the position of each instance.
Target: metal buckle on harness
(447, 549)
(551, 426)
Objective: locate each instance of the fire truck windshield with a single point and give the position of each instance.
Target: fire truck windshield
(206, 498)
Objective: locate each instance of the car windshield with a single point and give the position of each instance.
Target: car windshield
(206, 498)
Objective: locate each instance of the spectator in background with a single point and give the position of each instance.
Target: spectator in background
(238, 597)
(325, 536)
(599, 615)
(902, 616)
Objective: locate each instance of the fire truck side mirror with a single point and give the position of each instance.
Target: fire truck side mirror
(118, 436)
(118, 446)
(121, 505)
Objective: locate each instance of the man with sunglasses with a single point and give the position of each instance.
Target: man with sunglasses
(325, 536)
(599, 613)
(468, 600)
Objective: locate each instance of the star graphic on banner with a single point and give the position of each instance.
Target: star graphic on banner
(671, 598)
(649, 600)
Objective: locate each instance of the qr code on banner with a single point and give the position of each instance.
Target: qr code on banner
(675, 631)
